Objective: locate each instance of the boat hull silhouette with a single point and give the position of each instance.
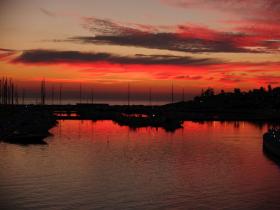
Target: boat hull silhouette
(270, 145)
(166, 123)
(26, 138)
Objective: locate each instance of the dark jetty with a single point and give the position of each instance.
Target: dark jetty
(271, 142)
(25, 124)
(153, 120)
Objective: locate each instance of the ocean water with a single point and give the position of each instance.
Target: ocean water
(101, 165)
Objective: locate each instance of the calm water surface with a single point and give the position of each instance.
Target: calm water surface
(100, 165)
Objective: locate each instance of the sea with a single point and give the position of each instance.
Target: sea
(101, 165)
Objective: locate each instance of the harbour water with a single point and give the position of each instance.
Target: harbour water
(101, 165)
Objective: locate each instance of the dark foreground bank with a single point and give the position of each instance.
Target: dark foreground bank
(27, 124)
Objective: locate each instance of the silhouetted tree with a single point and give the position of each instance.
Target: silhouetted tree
(209, 92)
(237, 91)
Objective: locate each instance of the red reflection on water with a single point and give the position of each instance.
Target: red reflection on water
(216, 164)
(109, 130)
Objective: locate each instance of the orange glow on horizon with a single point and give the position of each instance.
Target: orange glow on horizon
(111, 76)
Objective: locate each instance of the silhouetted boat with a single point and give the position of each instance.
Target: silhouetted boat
(25, 138)
(271, 142)
(138, 121)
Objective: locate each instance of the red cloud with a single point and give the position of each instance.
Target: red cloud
(245, 75)
(5, 54)
(257, 25)
(245, 7)
(246, 36)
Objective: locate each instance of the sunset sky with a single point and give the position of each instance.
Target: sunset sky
(106, 44)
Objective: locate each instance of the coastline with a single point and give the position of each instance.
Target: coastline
(26, 124)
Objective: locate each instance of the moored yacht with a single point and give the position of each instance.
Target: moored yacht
(271, 141)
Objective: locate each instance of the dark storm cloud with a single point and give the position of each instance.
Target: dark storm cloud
(108, 27)
(186, 38)
(56, 57)
(164, 41)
